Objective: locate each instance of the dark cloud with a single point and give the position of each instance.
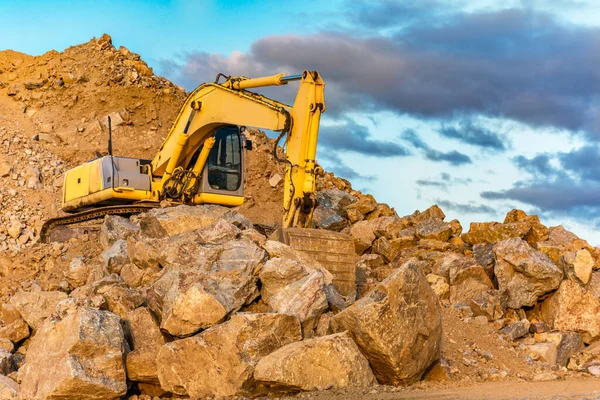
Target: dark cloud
(472, 134)
(539, 166)
(390, 13)
(453, 157)
(517, 63)
(467, 208)
(579, 164)
(353, 137)
(432, 183)
(565, 184)
(334, 163)
(445, 182)
(562, 196)
(583, 162)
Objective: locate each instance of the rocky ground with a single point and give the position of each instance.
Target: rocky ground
(193, 302)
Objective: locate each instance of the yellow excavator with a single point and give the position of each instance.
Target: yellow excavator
(202, 162)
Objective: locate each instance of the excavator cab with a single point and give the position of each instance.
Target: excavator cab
(223, 172)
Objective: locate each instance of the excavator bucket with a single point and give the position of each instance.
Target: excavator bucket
(333, 250)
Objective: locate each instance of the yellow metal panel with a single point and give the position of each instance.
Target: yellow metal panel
(95, 175)
(222, 199)
(220, 106)
(127, 196)
(259, 82)
(302, 141)
(76, 183)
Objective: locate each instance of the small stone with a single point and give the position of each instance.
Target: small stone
(594, 370)
(516, 330)
(275, 179)
(439, 285)
(545, 351)
(14, 231)
(539, 327)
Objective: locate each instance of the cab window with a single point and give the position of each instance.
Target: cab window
(225, 160)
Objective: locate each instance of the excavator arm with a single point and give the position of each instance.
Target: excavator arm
(213, 105)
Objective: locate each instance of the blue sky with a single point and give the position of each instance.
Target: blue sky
(477, 106)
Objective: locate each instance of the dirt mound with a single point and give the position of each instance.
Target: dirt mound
(67, 96)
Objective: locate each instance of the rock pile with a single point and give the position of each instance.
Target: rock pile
(67, 96)
(28, 174)
(537, 285)
(193, 301)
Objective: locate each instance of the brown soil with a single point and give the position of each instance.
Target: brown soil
(573, 389)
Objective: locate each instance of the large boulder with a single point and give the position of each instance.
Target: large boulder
(78, 272)
(220, 361)
(491, 232)
(14, 327)
(483, 253)
(122, 299)
(146, 340)
(326, 218)
(366, 203)
(381, 210)
(335, 200)
(560, 241)
(435, 229)
(305, 299)
(9, 389)
(432, 212)
(15, 331)
(184, 251)
(577, 265)
(220, 232)
(35, 307)
(187, 300)
(332, 361)
(467, 283)
(572, 308)
(78, 357)
(116, 228)
(277, 273)
(162, 222)
(566, 344)
(524, 272)
(390, 227)
(363, 233)
(144, 252)
(451, 261)
(400, 315)
(116, 256)
(490, 303)
(183, 304)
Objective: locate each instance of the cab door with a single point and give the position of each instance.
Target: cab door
(224, 170)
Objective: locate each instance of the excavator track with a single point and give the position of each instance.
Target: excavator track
(89, 215)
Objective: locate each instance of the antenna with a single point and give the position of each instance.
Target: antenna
(110, 150)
